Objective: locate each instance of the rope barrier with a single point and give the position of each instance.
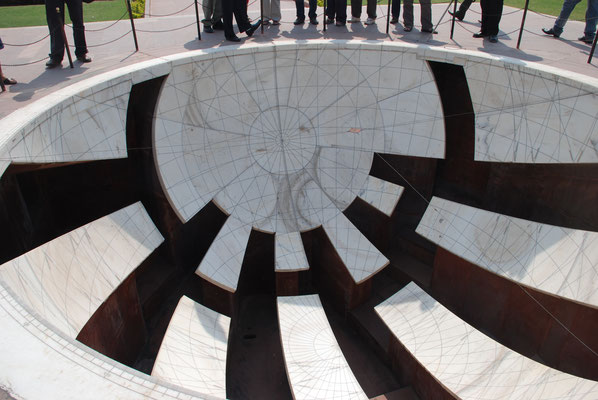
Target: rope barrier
(26, 44)
(167, 30)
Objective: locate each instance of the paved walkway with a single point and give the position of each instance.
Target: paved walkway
(111, 45)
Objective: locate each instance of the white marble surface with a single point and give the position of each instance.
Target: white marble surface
(193, 351)
(360, 256)
(222, 263)
(68, 278)
(289, 254)
(526, 115)
(381, 194)
(282, 137)
(315, 363)
(466, 361)
(556, 260)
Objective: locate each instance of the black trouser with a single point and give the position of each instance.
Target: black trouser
(56, 23)
(396, 8)
(356, 8)
(239, 8)
(312, 13)
(491, 13)
(337, 9)
(464, 7)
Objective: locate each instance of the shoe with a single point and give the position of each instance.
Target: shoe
(587, 39)
(551, 32)
(84, 58)
(394, 20)
(329, 21)
(457, 15)
(52, 63)
(340, 23)
(253, 28)
(493, 38)
(354, 20)
(275, 22)
(208, 29)
(370, 21)
(233, 38)
(219, 26)
(299, 21)
(313, 21)
(432, 31)
(407, 28)
(8, 81)
(478, 35)
(266, 22)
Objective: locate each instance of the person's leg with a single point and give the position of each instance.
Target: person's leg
(491, 17)
(341, 11)
(275, 13)
(426, 15)
(217, 14)
(300, 10)
(55, 22)
(313, 9)
(408, 13)
(76, 14)
(464, 7)
(566, 10)
(485, 12)
(371, 8)
(267, 10)
(356, 8)
(227, 18)
(207, 7)
(396, 9)
(591, 19)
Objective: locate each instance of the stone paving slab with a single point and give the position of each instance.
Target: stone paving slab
(111, 45)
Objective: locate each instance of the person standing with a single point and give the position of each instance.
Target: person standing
(212, 11)
(239, 9)
(395, 11)
(55, 19)
(460, 14)
(491, 14)
(591, 20)
(426, 16)
(5, 80)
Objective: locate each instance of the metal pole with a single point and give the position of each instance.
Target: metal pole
(262, 14)
(197, 20)
(593, 48)
(66, 42)
(444, 13)
(453, 23)
(132, 24)
(522, 23)
(325, 16)
(388, 16)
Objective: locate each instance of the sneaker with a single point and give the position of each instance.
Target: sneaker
(354, 20)
(340, 23)
(431, 30)
(275, 22)
(394, 20)
(551, 32)
(299, 21)
(53, 63)
(266, 22)
(313, 21)
(587, 39)
(457, 15)
(370, 21)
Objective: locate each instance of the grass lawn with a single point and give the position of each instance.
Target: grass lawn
(113, 9)
(17, 16)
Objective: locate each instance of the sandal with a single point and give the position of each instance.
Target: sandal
(9, 81)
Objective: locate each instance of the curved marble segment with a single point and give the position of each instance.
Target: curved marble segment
(68, 278)
(83, 122)
(526, 115)
(289, 253)
(361, 258)
(556, 260)
(466, 361)
(315, 363)
(222, 263)
(193, 351)
(381, 194)
(262, 132)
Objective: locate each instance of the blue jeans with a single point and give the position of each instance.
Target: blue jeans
(591, 17)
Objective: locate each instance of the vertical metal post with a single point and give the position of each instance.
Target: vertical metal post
(262, 15)
(197, 20)
(453, 23)
(2, 80)
(522, 23)
(132, 24)
(388, 16)
(63, 33)
(325, 17)
(593, 48)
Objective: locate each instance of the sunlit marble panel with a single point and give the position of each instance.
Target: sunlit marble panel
(222, 263)
(193, 351)
(527, 115)
(264, 131)
(315, 364)
(466, 361)
(289, 253)
(556, 260)
(360, 256)
(68, 278)
(381, 194)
